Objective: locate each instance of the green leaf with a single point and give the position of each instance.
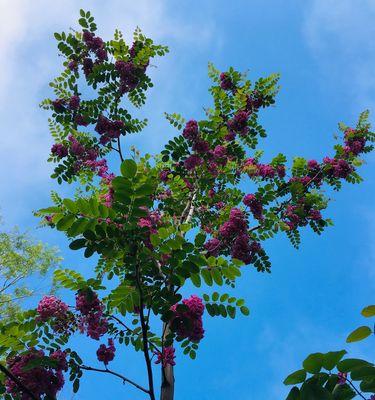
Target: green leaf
(57, 36)
(70, 205)
(368, 311)
(65, 223)
(313, 391)
(350, 364)
(368, 385)
(77, 244)
(294, 394)
(196, 279)
(359, 334)
(313, 363)
(75, 385)
(367, 371)
(331, 359)
(128, 168)
(244, 310)
(295, 377)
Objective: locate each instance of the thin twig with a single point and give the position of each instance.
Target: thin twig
(107, 371)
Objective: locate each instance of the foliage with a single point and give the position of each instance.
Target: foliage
(21, 258)
(158, 224)
(331, 376)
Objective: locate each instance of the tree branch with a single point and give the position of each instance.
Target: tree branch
(144, 336)
(107, 371)
(24, 389)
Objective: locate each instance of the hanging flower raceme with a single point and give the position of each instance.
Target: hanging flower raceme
(52, 309)
(40, 380)
(105, 353)
(92, 319)
(188, 323)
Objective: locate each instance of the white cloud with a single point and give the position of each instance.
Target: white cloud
(340, 34)
(28, 61)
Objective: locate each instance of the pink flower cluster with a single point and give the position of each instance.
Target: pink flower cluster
(130, 73)
(238, 124)
(109, 130)
(166, 357)
(96, 45)
(40, 380)
(150, 222)
(188, 324)
(339, 168)
(212, 158)
(234, 238)
(50, 308)
(355, 141)
(105, 353)
(92, 319)
(255, 206)
(300, 214)
(264, 171)
(226, 82)
(62, 105)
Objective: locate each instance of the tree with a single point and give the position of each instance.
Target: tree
(21, 257)
(163, 222)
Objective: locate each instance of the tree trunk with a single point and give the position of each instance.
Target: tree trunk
(167, 385)
(167, 375)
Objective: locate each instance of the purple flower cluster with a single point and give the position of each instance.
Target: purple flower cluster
(96, 45)
(62, 105)
(166, 357)
(255, 206)
(338, 168)
(191, 130)
(238, 124)
(108, 130)
(264, 171)
(188, 324)
(226, 82)
(192, 162)
(50, 308)
(105, 353)
(355, 141)
(300, 214)
(130, 75)
(234, 238)
(92, 319)
(40, 380)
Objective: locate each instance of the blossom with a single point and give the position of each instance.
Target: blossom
(190, 131)
(40, 380)
(92, 318)
(105, 353)
(192, 162)
(74, 102)
(166, 357)
(59, 150)
(255, 205)
(188, 324)
(226, 82)
(213, 247)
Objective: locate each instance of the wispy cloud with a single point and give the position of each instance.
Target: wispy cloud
(340, 35)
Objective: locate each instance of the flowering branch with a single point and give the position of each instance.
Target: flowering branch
(17, 382)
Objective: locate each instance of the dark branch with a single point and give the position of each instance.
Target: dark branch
(22, 387)
(107, 371)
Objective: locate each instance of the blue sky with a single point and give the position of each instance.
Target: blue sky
(323, 50)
